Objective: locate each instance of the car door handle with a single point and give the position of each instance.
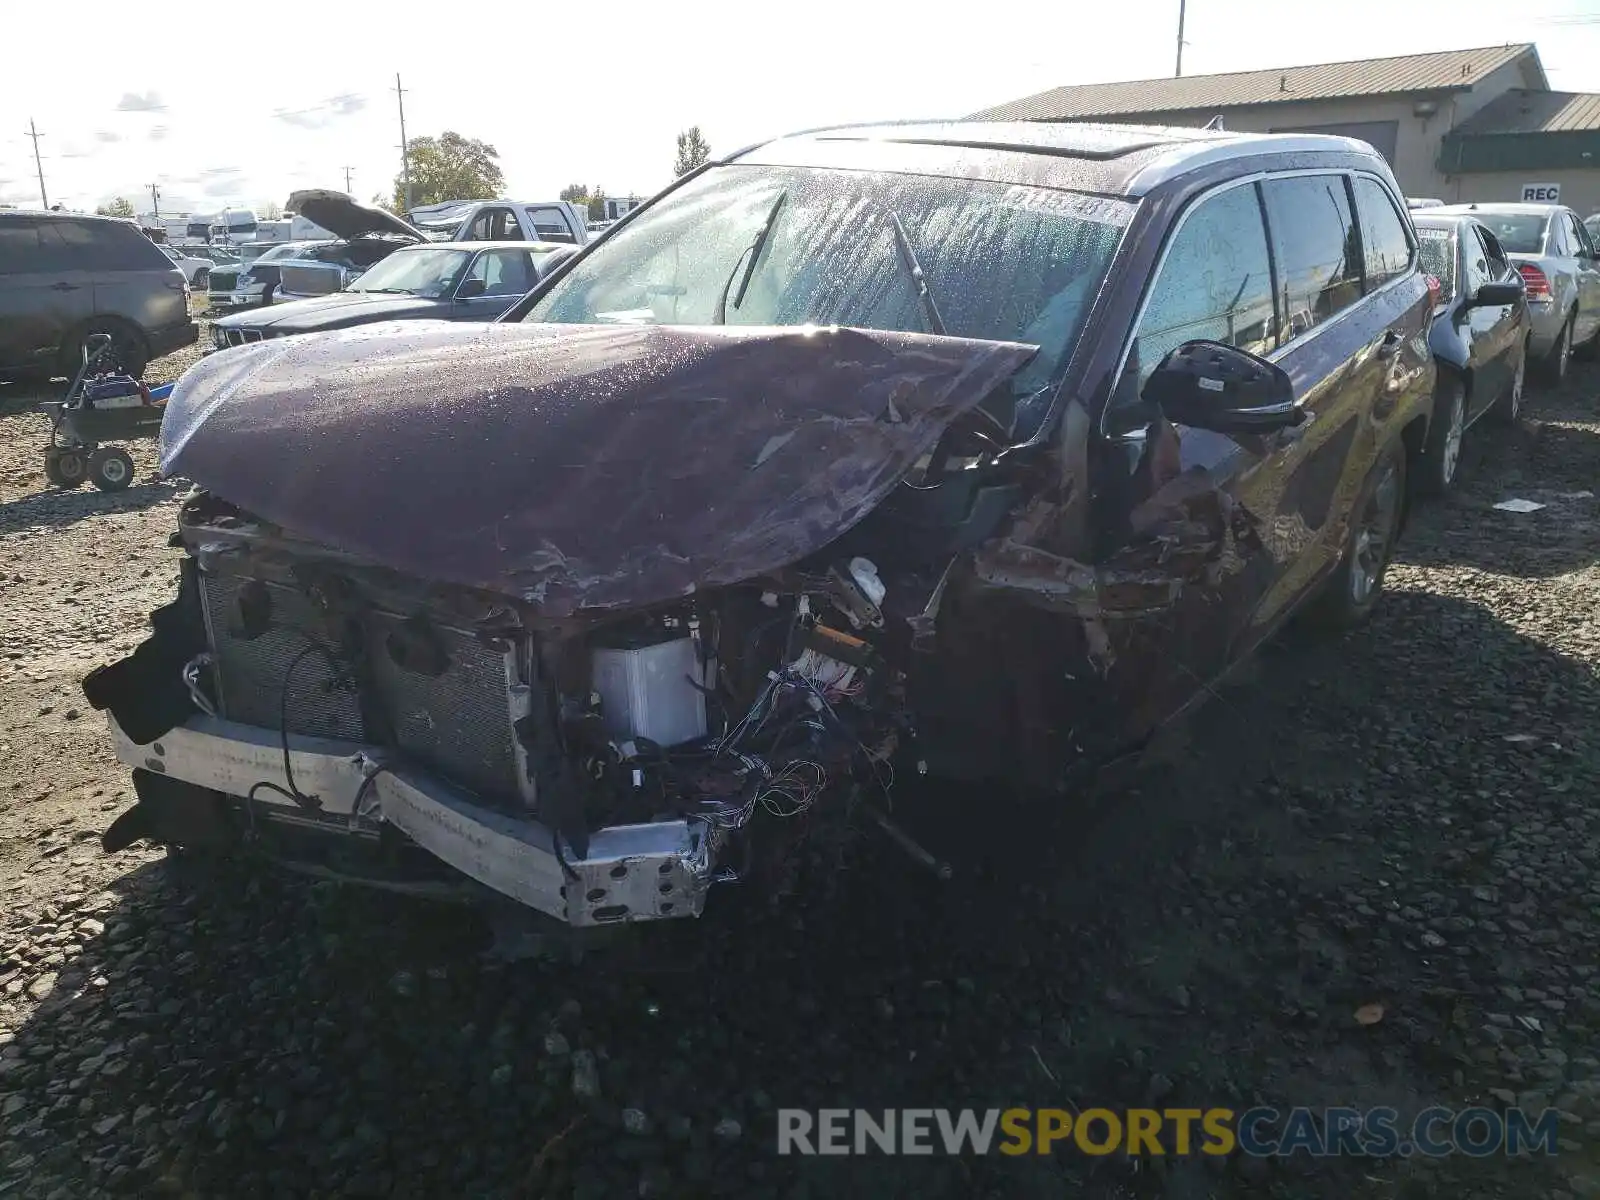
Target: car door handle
(1390, 346)
(63, 287)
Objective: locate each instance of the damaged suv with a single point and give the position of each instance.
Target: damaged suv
(972, 449)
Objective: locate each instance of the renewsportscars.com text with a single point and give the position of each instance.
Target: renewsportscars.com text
(1259, 1132)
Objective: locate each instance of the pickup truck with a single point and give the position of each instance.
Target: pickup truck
(503, 221)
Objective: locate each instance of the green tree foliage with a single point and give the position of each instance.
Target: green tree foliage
(120, 207)
(449, 167)
(693, 151)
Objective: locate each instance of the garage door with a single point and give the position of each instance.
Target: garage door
(1380, 134)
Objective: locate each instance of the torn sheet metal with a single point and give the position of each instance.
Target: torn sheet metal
(1187, 533)
(574, 466)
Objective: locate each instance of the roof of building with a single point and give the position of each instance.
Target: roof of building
(1442, 71)
(1523, 110)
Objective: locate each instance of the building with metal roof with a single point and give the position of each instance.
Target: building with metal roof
(1459, 125)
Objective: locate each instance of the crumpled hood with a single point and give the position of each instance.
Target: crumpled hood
(331, 312)
(573, 466)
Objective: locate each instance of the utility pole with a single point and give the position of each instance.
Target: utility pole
(33, 132)
(347, 181)
(405, 153)
(155, 199)
(1178, 71)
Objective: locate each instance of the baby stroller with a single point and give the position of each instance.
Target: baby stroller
(99, 406)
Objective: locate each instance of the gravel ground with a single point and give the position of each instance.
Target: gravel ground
(1404, 816)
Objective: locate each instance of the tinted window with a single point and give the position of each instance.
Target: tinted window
(1580, 235)
(1477, 260)
(1519, 233)
(1499, 264)
(1318, 250)
(1215, 283)
(1438, 249)
(19, 247)
(1383, 233)
(108, 246)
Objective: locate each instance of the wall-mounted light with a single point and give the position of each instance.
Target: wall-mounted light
(1425, 108)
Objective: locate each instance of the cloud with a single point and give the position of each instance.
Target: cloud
(227, 186)
(159, 133)
(140, 102)
(319, 116)
(106, 137)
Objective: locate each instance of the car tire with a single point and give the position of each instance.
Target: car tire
(128, 353)
(1353, 590)
(111, 469)
(66, 468)
(1441, 456)
(202, 280)
(1553, 367)
(1508, 406)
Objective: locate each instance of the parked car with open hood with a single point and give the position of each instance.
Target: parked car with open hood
(253, 280)
(367, 235)
(1557, 260)
(748, 510)
(469, 281)
(1479, 336)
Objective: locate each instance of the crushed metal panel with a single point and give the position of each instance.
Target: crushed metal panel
(574, 466)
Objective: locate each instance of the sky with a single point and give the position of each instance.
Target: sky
(241, 105)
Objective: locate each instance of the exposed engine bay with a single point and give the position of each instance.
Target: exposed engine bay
(743, 718)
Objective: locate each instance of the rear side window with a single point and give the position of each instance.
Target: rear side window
(1318, 250)
(1580, 236)
(550, 224)
(1215, 284)
(106, 246)
(1384, 243)
(19, 247)
(1439, 257)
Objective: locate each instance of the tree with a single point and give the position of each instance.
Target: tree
(693, 151)
(120, 207)
(576, 193)
(449, 167)
(269, 210)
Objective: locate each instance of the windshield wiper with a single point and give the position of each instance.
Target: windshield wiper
(919, 282)
(754, 251)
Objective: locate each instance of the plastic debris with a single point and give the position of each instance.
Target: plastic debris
(1518, 505)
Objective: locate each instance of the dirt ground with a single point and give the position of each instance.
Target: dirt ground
(1404, 816)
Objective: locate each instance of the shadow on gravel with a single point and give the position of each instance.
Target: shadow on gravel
(58, 509)
(1200, 939)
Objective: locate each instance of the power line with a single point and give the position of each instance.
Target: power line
(33, 132)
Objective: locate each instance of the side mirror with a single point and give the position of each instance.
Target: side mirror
(470, 288)
(1211, 385)
(1494, 295)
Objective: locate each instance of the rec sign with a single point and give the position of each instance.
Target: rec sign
(1541, 193)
